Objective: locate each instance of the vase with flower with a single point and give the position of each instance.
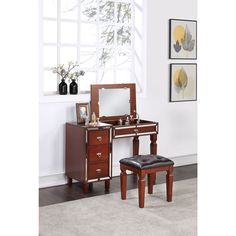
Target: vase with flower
(74, 81)
(69, 72)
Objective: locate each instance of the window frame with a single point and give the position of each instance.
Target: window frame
(84, 95)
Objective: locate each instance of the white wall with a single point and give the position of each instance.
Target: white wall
(178, 121)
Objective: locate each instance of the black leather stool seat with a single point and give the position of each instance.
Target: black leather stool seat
(146, 161)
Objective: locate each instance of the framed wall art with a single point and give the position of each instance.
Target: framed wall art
(82, 111)
(183, 82)
(182, 39)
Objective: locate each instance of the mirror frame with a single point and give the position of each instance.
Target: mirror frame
(95, 99)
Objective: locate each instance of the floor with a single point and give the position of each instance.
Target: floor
(63, 193)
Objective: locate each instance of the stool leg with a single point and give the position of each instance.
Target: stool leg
(169, 183)
(123, 183)
(151, 180)
(141, 189)
(107, 185)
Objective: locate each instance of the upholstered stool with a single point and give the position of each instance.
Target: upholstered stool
(142, 165)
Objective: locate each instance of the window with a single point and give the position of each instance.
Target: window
(106, 37)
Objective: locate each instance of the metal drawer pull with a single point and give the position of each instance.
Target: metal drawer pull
(99, 154)
(136, 130)
(98, 170)
(99, 138)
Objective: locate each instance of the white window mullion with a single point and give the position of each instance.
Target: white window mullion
(132, 41)
(41, 51)
(50, 44)
(115, 43)
(78, 30)
(58, 36)
(97, 44)
(144, 55)
(49, 18)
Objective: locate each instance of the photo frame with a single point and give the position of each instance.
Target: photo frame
(182, 39)
(82, 110)
(183, 82)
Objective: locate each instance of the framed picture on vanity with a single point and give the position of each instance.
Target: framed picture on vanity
(82, 111)
(183, 82)
(182, 39)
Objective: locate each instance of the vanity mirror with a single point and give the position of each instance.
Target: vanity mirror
(112, 102)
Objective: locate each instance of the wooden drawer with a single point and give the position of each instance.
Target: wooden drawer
(127, 131)
(98, 153)
(96, 137)
(98, 170)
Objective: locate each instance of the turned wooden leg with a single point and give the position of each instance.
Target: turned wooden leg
(69, 181)
(107, 185)
(141, 189)
(151, 180)
(123, 183)
(135, 146)
(90, 186)
(135, 152)
(85, 187)
(169, 184)
(153, 145)
(153, 148)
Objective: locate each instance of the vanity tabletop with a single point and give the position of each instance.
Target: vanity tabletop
(115, 123)
(90, 125)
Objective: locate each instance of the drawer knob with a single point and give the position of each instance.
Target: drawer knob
(99, 154)
(136, 130)
(99, 138)
(98, 170)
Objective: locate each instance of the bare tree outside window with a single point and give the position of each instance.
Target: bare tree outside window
(107, 33)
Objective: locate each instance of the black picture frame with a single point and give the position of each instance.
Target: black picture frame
(191, 82)
(173, 48)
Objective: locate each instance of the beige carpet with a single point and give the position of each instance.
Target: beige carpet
(109, 215)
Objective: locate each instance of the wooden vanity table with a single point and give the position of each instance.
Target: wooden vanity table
(89, 147)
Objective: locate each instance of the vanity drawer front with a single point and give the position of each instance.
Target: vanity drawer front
(98, 152)
(98, 170)
(146, 129)
(96, 137)
(125, 131)
(133, 131)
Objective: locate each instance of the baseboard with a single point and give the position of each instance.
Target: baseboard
(52, 180)
(184, 160)
(60, 179)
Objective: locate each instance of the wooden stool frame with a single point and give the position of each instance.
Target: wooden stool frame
(151, 181)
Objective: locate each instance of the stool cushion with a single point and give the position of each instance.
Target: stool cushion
(146, 161)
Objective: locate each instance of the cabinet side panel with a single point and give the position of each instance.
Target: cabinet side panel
(75, 152)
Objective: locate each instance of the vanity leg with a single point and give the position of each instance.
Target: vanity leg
(107, 185)
(85, 187)
(153, 150)
(135, 145)
(153, 145)
(90, 186)
(69, 181)
(135, 152)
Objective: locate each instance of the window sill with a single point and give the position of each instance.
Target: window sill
(56, 98)
(81, 97)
